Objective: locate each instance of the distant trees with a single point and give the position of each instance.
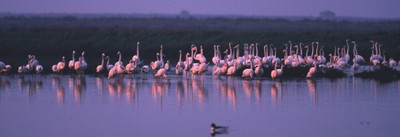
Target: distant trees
(184, 14)
(327, 14)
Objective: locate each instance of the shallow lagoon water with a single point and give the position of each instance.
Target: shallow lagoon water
(51, 105)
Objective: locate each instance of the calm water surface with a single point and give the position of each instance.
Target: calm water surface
(94, 106)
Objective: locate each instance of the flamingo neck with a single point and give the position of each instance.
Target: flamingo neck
(256, 49)
(312, 49)
(307, 52)
(102, 60)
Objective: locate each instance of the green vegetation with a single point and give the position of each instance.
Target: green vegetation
(49, 38)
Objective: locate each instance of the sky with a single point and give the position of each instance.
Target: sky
(349, 8)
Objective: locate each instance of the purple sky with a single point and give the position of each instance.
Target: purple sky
(357, 8)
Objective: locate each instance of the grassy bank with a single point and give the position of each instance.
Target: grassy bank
(51, 38)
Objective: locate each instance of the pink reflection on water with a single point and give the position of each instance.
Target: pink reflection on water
(312, 88)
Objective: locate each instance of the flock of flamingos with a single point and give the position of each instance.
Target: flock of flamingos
(232, 62)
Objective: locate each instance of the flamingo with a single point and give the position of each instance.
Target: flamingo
(277, 73)
(346, 55)
(112, 72)
(178, 70)
(22, 69)
(32, 63)
(109, 66)
(187, 63)
(239, 60)
(309, 60)
(259, 71)
(6, 69)
(156, 64)
(217, 70)
(136, 57)
(215, 58)
(130, 67)
(265, 58)
(392, 63)
(357, 58)
(161, 73)
(61, 65)
(200, 57)
(2, 65)
(100, 67)
(72, 62)
(312, 71)
(145, 69)
(167, 66)
(203, 67)
(248, 73)
(39, 69)
(119, 62)
(78, 66)
(84, 64)
(231, 70)
(180, 63)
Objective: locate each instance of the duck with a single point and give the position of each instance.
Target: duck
(218, 129)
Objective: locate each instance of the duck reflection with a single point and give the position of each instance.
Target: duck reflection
(276, 90)
(312, 88)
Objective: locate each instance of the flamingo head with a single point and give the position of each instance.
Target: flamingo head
(102, 54)
(119, 53)
(73, 52)
(137, 43)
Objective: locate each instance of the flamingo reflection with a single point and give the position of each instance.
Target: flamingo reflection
(4, 83)
(79, 87)
(247, 88)
(232, 95)
(131, 90)
(276, 88)
(228, 91)
(258, 91)
(198, 85)
(312, 88)
(56, 82)
(30, 84)
(115, 88)
(158, 87)
(180, 91)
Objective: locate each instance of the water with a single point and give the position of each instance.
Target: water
(67, 106)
